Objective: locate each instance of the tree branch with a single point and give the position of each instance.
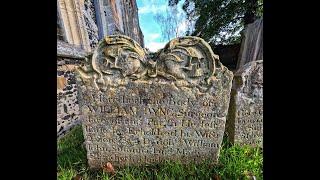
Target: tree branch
(239, 17)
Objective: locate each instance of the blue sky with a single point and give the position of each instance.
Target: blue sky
(147, 9)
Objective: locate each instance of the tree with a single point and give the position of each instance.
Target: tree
(169, 22)
(219, 21)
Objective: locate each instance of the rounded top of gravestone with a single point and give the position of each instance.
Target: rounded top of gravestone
(186, 61)
(249, 79)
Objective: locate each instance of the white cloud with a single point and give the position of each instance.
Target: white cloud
(152, 36)
(182, 28)
(151, 8)
(155, 46)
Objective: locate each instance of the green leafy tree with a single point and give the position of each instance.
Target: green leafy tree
(219, 21)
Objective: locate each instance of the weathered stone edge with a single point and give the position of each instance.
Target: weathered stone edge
(70, 51)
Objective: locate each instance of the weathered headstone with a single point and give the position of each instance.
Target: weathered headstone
(140, 108)
(245, 118)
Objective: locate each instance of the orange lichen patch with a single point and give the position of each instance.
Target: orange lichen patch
(67, 67)
(61, 82)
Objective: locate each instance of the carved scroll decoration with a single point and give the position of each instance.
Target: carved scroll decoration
(188, 61)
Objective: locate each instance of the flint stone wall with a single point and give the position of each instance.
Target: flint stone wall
(68, 57)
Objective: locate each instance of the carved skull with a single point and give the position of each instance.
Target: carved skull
(129, 63)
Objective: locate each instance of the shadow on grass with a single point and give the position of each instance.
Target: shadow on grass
(235, 162)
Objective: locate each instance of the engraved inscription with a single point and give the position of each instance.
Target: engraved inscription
(249, 126)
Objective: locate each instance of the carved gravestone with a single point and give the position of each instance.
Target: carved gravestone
(245, 118)
(140, 108)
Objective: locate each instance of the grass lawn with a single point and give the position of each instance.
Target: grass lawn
(234, 163)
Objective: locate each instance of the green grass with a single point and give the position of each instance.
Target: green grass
(234, 163)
